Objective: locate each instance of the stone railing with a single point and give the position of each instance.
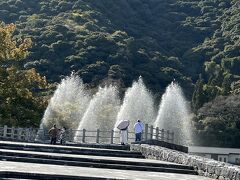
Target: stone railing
(19, 134)
(84, 136)
(204, 166)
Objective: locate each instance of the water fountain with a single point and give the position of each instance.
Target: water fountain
(101, 113)
(174, 113)
(137, 104)
(67, 106)
(73, 108)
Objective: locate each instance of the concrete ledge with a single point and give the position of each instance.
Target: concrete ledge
(90, 145)
(204, 166)
(103, 146)
(69, 149)
(164, 144)
(21, 175)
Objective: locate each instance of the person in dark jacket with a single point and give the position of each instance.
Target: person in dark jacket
(53, 133)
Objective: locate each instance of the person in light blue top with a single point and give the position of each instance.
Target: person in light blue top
(138, 128)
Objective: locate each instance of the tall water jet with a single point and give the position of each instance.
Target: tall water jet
(174, 114)
(67, 106)
(100, 114)
(137, 104)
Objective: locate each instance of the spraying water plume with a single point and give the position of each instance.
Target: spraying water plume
(101, 112)
(174, 113)
(137, 104)
(67, 106)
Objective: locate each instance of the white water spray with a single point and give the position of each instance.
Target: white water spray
(66, 107)
(137, 104)
(174, 114)
(101, 113)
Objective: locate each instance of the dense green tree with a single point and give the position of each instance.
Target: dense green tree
(217, 123)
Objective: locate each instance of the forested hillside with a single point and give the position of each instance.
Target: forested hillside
(196, 42)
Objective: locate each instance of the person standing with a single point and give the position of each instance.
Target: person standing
(123, 136)
(53, 132)
(63, 136)
(123, 127)
(138, 128)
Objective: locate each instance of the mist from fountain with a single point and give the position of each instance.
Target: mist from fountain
(71, 106)
(174, 114)
(137, 104)
(101, 113)
(66, 107)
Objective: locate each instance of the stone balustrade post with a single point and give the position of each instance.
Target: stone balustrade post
(97, 137)
(26, 134)
(157, 132)
(5, 131)
(146, 132)
(29, 134)
(168, 135)
(69, 135)
(112, 136)
(172, 137)
(83, 135)
(162, 134)
(151, 132)
(45, 133)
(32, 134)
(12, 132)
(19, 133)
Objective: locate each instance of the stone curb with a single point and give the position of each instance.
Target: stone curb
(204, 166)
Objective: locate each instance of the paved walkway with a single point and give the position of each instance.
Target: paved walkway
(68, 170)
(92, 172)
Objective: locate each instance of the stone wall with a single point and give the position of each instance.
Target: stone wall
(164, 144)
(204, 166)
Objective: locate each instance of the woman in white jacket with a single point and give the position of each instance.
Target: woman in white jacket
(123, 136)
(123, 127)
